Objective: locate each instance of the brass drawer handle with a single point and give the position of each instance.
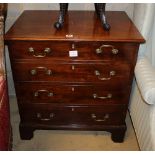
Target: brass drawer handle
(49, 94)
(51, 116)
(109, 96)
(39, 54)
(98, 74)
(94, 117)
(47, 71)
(113, 50)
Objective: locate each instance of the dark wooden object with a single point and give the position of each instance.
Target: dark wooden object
(100, 11)
(5, 123)
(3, 10)
(57, 91)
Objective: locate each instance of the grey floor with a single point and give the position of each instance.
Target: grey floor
(54, 140)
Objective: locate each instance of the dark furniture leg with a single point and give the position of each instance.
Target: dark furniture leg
(100, 10)
(26, 133)
(118, 135)
(63, 10)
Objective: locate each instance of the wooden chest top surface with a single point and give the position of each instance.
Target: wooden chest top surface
(83, 25)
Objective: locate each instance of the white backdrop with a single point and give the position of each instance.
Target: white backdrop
(144, 18)
(142, 106)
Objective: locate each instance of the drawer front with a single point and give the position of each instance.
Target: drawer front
(59, 50)
(47, 114)
(74, 72)
(29, 93)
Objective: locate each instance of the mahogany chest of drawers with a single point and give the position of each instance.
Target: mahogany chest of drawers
(76, 78)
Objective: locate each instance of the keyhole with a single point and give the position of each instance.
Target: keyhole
(73, 46)
(73, 89)
(73, 67)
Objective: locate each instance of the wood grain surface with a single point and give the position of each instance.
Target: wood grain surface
(83, 25)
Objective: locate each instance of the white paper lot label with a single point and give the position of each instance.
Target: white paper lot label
(73, 53)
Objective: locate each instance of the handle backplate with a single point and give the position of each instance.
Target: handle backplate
(100, 49)
(51, 116)
(39, 54)
(49, 94)
(98, 74)
(109, 96)
(94, 117)
(34, 71)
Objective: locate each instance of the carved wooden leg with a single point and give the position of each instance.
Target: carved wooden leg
(100, 10)
(26, 133)
(118, 135)
(63, 10)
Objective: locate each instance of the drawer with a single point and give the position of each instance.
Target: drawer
(86, 50)
(117, 72)
(47, 114)
(29, 93)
